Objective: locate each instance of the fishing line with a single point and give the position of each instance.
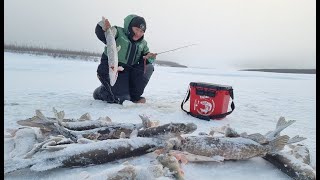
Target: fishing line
(176, 49)
(162, 52)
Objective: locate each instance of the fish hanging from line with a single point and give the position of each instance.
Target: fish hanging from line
(112, 53)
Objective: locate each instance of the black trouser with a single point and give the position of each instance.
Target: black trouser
(130, 83)
(138, 79)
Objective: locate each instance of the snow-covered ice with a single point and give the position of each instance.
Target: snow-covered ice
(41, 82)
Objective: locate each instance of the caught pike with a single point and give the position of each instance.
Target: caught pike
(112, 53)
(86, 125)
(85, 154)
(294, 161)
(228, 148)
(47, 127)
(167, 131)
(114, 130)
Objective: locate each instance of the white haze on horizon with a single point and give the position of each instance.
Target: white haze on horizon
(230, 33)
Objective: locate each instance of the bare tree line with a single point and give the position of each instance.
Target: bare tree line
(56, 53)
(65, 53)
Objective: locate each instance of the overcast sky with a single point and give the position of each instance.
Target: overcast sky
(228, 33)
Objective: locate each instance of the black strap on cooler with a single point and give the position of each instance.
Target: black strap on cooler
(207, 118)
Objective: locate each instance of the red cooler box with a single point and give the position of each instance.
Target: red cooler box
(209, 101)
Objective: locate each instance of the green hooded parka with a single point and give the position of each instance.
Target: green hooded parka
(130, 52)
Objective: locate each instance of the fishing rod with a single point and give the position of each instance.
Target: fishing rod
(176, 49)
(163, 53)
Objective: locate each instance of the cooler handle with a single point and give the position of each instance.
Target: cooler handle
(207, 118)
(188, 112)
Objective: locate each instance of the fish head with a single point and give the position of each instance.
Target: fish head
(172, 163)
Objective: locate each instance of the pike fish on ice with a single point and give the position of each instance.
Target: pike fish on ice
(237, 148)
(294, 160)
(84, 154)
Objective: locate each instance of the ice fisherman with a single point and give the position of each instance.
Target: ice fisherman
(134, 56)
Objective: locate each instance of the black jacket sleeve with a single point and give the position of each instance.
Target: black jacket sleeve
(100, 34)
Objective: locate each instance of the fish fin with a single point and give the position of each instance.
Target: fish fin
(259, 138)
(278, 143)
(105, 119)
(40, 116)
(285, 125)
(281, 122)
(85, 116)
(281, 125)
(134, 134)
(230, 132)
(145, 120)
(59, 115)
(118, 48)
(296, 139)
(211, 133)
(122, 135)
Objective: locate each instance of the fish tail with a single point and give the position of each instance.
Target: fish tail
(59, 115)
(278, 143)
(282, 123)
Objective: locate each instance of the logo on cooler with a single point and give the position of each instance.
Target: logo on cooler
(204, 106)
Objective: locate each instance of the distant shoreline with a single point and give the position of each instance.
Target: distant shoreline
(93, 56)
(61, 53)
(296, 71)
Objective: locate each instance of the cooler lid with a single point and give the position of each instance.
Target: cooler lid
(210, 85)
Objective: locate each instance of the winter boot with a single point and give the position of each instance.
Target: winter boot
(140, 100)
